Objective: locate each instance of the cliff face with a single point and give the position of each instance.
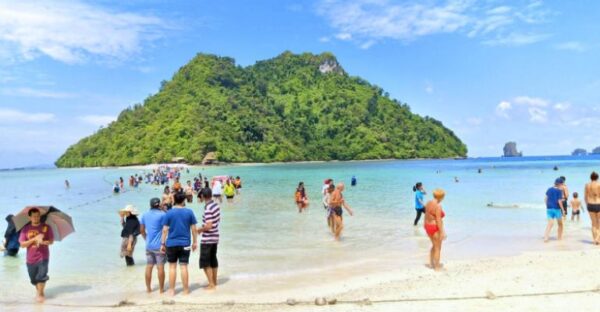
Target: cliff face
(289, 108)
(510, 150)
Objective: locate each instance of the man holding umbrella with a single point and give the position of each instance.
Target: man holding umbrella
(36, 237)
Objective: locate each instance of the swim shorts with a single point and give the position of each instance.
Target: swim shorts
(208, 256)
(179, 253)
(554, 213)
(155, 257)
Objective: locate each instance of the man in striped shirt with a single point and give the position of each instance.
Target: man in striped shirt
(210, 238)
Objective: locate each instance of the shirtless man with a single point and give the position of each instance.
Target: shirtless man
(565, 190)
(336, 202)
(167, 199)
(592, 201)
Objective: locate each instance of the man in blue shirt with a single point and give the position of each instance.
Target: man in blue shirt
(151, 230)
(179, 229)
(554, 205)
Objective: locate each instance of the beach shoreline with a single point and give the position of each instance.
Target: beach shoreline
(493, 284)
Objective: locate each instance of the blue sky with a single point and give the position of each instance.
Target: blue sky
(492, 71)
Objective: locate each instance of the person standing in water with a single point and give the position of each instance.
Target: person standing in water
(11, 238)
(419, 201)
(151, 230)
(326, 200)
(336, 202)
(36, 237)
(353, 181)
(129, 233)
(229, 191)
(167, 199)
(565, 190)
(300, 197)
(179, 232)
(189, 192)
(210, 239)
(592, 201)
(575, 207)
(67, 184)
(434, 226)
(554, 208)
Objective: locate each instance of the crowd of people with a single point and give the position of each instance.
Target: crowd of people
(170, 229)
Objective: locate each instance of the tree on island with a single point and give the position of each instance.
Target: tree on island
(290, 108)
(579, 152)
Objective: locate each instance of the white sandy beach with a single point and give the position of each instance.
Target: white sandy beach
(542, 281)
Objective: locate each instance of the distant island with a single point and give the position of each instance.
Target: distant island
(294, 107)
(579, 152)
(596, 151)
(510, 150)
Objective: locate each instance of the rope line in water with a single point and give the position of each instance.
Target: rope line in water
(366, 301)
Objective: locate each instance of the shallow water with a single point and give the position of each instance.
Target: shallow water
(267, 245)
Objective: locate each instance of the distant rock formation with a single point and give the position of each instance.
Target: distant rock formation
(510, 150)
(596, 151)
(579, 152)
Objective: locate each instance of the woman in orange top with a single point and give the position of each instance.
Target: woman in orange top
(434, 226)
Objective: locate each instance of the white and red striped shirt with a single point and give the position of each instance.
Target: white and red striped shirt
(212, 213)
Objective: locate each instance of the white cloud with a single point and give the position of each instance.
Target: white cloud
(474, 121)
(73, 31)
(344, 36)
(37, 93)
(16, 116)
(98, 120)
(562, 106)
(516, 39)
(368, 44)
(531, 101)
(571, 46)
(429, 88)
(503, 108)
(364, 20)
(324, 39)
(537, 114)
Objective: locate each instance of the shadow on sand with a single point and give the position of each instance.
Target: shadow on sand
(52, 292)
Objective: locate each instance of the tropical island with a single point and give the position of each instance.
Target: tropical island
(510, 150)
(579, 152)
(294, 107)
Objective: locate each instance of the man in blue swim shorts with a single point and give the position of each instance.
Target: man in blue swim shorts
(554, 208)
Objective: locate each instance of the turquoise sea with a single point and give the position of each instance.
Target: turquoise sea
(266, 244)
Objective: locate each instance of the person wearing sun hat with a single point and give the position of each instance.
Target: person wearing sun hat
(129, 233)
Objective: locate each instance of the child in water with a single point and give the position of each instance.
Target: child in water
(576, 206)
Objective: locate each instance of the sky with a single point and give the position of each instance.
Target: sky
(492, 71)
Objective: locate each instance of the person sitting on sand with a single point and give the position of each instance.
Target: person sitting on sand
(129, 233)
(179, 232)
(592, 201)
(434, 226)
(336, 202)
(151, 230)
(575, 207)
(36, 237)
(554, 202)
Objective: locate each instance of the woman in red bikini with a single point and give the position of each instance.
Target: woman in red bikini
(434, 226)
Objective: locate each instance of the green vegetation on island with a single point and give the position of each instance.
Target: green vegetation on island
(289, 108)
